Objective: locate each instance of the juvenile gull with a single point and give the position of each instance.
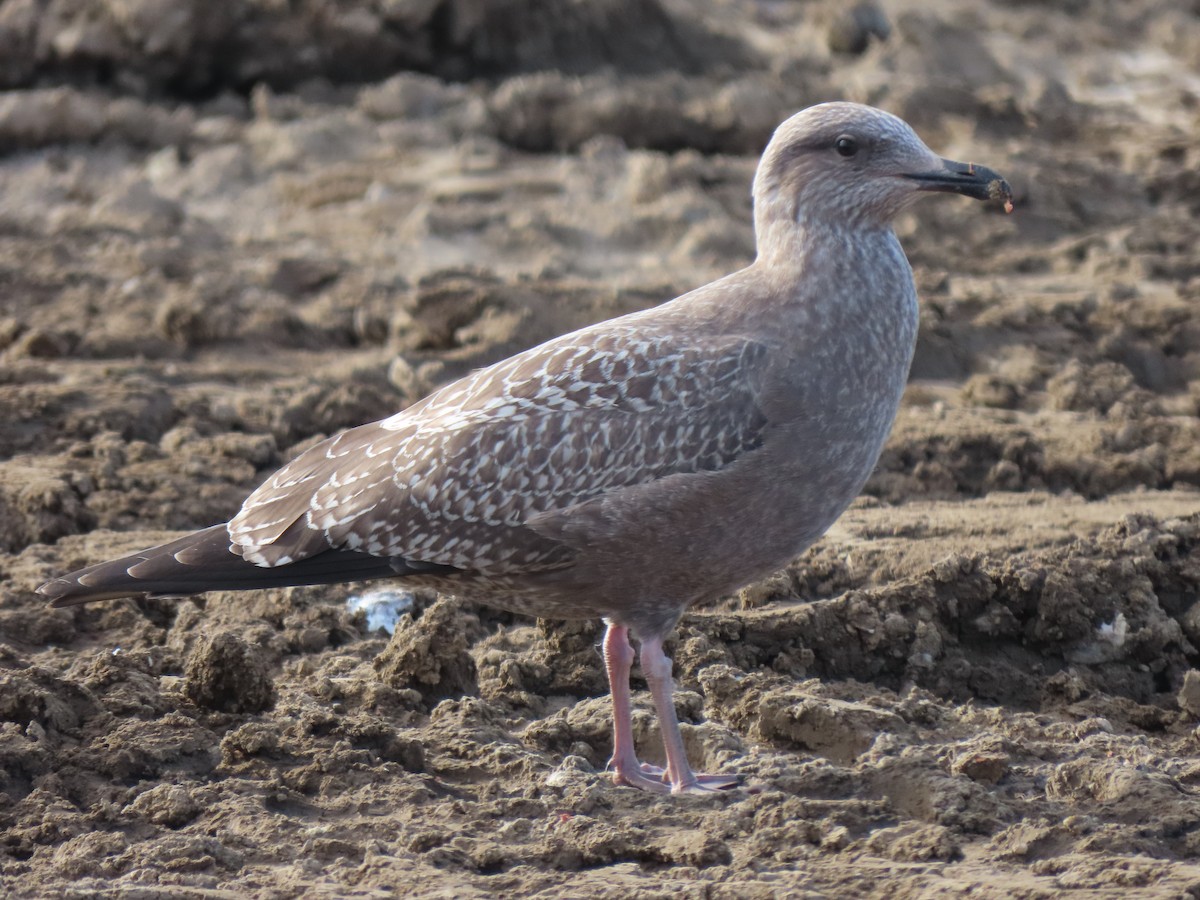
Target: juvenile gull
(636, 467)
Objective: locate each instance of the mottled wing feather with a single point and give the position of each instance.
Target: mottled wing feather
(454, 479)
(353, 457)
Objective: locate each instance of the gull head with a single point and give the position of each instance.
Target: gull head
(848, 165)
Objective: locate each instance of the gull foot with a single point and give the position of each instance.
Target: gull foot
(653, 778)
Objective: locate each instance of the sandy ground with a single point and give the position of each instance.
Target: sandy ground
(228, 230)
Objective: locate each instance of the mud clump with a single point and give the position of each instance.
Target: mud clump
(37, 506)
(166, 804)
(429, 654)
(1189, 694)
(1090, 388)
(226, 674)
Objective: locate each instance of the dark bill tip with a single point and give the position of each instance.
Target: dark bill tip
(968, 179)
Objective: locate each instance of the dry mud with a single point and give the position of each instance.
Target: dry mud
(229, 229)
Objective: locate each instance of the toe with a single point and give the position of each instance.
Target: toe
(706, 784)
(636, 778)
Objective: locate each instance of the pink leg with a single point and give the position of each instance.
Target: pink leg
(678, 777)
(618, 660)
(656, 666)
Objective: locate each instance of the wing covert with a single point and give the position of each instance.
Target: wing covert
(454, 479)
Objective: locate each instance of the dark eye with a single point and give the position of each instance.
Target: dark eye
(845, 145)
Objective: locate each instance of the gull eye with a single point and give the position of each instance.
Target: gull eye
(845, 145)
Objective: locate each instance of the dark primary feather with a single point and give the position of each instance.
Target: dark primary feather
(202, 561)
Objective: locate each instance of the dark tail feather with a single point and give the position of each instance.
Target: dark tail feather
(211, 566)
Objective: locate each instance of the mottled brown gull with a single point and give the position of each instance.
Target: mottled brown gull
(636, 467)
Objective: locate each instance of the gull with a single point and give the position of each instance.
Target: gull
(634, 468)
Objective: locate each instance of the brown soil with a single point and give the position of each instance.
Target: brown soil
(227, 230)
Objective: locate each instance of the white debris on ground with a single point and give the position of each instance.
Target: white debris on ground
(382, 607)
(1115, 631)
(1109, 639)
